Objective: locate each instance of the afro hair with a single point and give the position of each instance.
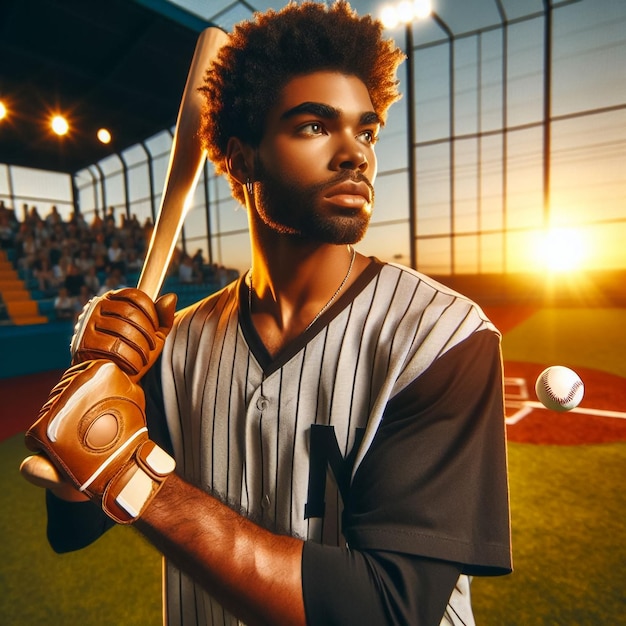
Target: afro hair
(263, 54)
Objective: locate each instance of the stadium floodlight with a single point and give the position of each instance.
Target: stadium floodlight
(59, 125)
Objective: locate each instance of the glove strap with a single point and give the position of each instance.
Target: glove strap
(129, 493)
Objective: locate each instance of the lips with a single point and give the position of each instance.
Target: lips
(349, 194)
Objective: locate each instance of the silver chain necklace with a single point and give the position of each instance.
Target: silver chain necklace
(332, 298)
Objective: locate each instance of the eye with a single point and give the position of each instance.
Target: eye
(311, 128)
(368, 137)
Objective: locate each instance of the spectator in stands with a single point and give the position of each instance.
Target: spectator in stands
(64, 305)
(101, 264)
(84, 261)
(124, 229)
(23, 255)
(47, 279)
(110, 232)
(187, 273)
(148, 227)
(96, 222)
(65, 261)
(7, 236)
(117, 256)
(109, 218)
(71, 241)
(53, 217)
(198, 261)
(89, 259)
(81, 300)
(74, 280)
(5, 210)
(98, 246)
(54, 247)
(77, 219)
(135, 226)
(8, 217)
(31, 216)
(92, 282)
(134, 262)
(40, 232)
(113, 281)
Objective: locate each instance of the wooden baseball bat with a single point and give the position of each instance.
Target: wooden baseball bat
(187, 159)
(185, 166)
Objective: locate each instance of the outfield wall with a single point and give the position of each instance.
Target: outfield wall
(35, 348)
(580, 289)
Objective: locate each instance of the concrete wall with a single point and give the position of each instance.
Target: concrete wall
(35, 348)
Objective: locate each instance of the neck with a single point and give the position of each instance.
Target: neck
(290, 286)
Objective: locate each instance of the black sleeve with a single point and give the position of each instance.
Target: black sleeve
(351, 588)
(434, 481)
(155, 408)
(74, 525)
(428, 502)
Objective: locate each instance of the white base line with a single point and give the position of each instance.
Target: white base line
(518, 416)
(529, 405)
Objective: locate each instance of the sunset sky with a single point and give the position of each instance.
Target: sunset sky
(480, 205)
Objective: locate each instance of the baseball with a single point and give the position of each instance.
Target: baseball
(559, 388)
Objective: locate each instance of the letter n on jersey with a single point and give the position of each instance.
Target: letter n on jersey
(324, 452)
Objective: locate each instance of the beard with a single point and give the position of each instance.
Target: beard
(292, 209)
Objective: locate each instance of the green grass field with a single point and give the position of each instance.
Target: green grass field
(568, 509)
(115, 581)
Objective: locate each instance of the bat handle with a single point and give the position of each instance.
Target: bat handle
(39, 471)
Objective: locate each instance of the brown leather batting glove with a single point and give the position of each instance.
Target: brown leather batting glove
(124, 326)
(93, 429)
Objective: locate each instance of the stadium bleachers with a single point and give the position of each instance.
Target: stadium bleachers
(19, 306)
(23, 303)
(41, 345)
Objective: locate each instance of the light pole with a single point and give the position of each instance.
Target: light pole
(391, 15)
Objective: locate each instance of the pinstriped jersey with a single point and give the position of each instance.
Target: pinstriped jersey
(283, 438)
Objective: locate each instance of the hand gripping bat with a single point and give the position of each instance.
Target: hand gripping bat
(187, 159)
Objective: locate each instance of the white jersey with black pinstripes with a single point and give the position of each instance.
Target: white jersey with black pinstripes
(240, 421)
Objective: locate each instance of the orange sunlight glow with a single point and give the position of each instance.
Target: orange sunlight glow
(561, 249)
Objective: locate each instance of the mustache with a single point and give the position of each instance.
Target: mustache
(342, 177)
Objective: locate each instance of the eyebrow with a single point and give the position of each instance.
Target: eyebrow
(325, 111)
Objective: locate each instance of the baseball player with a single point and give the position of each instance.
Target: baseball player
(335, 422)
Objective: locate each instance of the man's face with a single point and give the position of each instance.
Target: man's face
(316, 165)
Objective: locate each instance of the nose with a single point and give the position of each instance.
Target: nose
(350, 155)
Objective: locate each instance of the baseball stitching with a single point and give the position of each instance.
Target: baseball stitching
(562, 400)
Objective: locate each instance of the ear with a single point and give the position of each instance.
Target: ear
(239, 160)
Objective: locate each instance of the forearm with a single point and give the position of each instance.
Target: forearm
(254, 573)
